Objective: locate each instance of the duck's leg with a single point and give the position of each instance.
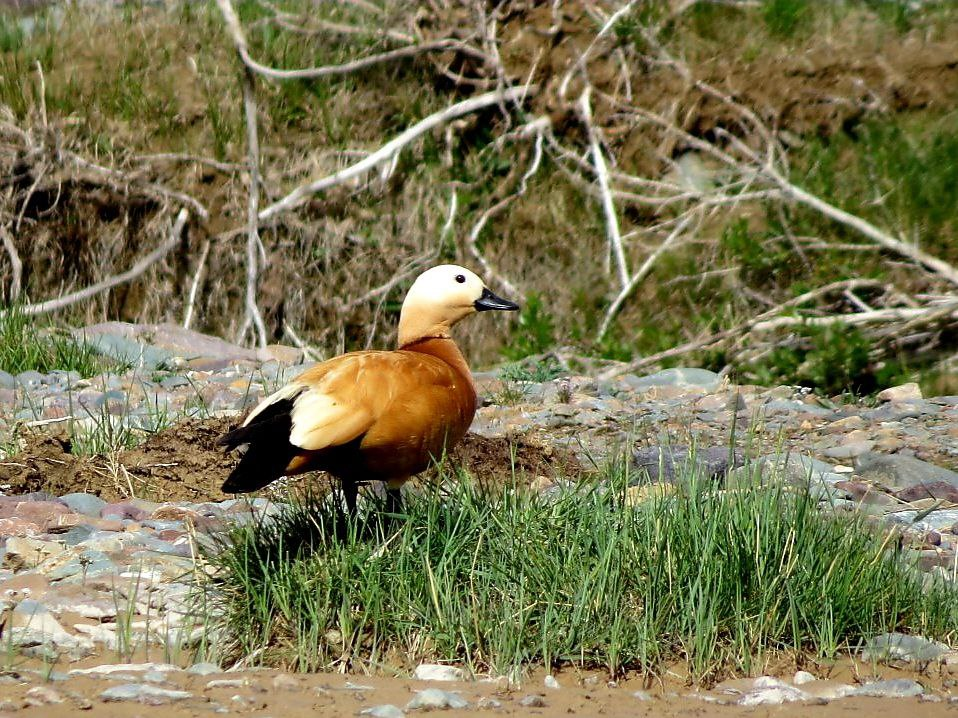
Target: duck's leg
(350, 493)
(393, 500)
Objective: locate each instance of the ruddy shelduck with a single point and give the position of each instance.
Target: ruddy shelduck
(373, 415)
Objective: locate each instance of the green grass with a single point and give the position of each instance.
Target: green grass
(506, 580)
(23, 346)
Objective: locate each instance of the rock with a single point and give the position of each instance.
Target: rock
(849, 450)
(285, 682)
(896, 471)
(551, 682)
(902, 647)
(109, 669)
(768, 691)
(85, 504)
(893, 688)
(904, 392)
(678, 376)
(532, 701)
(676, 463)
(204, 669)
(929, 490)
(43, 695)
(143, 693)
(434, 698)
(437, 672)
(796, 469)
(26, 552)
(387, 710)
(643, 696)
(802, 677)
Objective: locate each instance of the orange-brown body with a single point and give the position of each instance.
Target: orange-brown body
(413, 404)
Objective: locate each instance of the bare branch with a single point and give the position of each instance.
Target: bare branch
(640, 275)
(195, 284)
(602, 177)
(242, 48)
(390, 149)
(16, 264)
(253, 244)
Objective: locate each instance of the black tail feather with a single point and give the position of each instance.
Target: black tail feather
(268, 450)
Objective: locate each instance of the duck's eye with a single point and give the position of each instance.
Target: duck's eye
(461, 278)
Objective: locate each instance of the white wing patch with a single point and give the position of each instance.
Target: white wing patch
(321, 420)
(287, 392)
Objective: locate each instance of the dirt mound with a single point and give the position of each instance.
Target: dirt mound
(184, 463)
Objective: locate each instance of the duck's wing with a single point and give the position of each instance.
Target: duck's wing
(344, 401)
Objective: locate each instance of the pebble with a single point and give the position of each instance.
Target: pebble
(902, 647)
(437, 672)
(143, 693)
(893, 688)
(434, 698)
(387, 710)
(551, 682)
(532, 701)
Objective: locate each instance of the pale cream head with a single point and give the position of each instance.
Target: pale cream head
(439, 298)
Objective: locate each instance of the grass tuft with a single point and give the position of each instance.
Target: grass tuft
(502, 580)
(23, 347)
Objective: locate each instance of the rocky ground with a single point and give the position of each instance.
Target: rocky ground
(99, 551)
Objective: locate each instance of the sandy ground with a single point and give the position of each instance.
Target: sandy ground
(274, 693)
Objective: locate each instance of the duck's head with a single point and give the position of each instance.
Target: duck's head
(442, 296)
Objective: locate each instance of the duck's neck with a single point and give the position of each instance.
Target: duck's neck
(445, 349)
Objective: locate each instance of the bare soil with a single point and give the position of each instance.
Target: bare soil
(184, 463)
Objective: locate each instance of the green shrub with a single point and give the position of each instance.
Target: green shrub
(535, 332)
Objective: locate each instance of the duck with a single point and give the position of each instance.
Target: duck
(379, 415)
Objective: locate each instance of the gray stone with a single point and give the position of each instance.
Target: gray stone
(204, 669)
(678, 463)
(768, 691)
(143, 693)
(893, 688)
(437, 672)
(551, 682)
(902, 647)
(387, 710)
(678, 376)
(895, 471)
(86, 504)
(7, 380)
(532, 701)
(797, 469)
(30, 379)
(488, 703)
(434, 698)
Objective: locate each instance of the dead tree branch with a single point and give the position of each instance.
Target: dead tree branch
(388, 151)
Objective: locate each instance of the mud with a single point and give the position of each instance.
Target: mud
(184, 463)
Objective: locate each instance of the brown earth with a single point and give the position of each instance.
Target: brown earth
(184, 463)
